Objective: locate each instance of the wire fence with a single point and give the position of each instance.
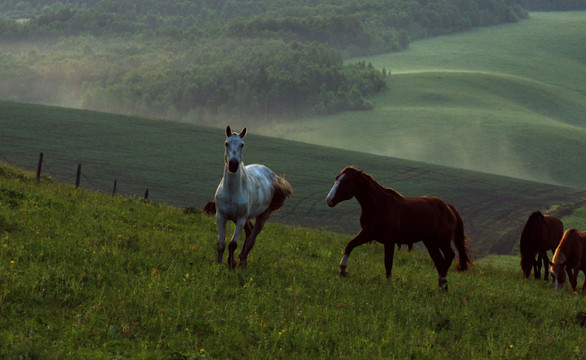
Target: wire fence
(109, 179)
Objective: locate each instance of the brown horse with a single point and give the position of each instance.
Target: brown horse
(571, 256)
(541, 233)
(390, 218)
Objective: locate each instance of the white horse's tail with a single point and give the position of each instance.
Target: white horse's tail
(282, 191)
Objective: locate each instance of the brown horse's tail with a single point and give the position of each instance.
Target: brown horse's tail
(460, 243)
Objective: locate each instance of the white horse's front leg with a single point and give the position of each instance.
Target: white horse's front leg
(221, 222)
(234, 242)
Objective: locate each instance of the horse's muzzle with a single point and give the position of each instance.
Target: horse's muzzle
(233, 165)
(330, 201)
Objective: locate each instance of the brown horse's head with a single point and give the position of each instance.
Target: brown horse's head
(527, 266)
(558, 275)
(345, 186)
(562, 254)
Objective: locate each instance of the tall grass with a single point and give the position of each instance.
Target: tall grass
(87, 275)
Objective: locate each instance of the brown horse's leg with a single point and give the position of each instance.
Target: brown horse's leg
(546, 265)
(389, 252)
(439, 261)
(358, 240)
(449, 256)
(537, 265)
(574, 278)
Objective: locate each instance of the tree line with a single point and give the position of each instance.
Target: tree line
(350, 26)
(182, 58)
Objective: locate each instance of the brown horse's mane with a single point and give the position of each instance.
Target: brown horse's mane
(368, 180)
(532, 228)
(570, 239)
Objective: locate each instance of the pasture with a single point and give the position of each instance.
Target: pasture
(182, 164)
(507, 100)
(88, 275)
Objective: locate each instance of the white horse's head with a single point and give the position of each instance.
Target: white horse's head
(234, 149)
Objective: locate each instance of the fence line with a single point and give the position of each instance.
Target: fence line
(43, 162)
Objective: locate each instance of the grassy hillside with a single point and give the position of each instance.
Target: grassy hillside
(505, 100)
(182, 165)
(85, 275)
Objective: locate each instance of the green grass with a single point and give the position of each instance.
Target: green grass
(576, 220)
(505, 100)
(87, 275)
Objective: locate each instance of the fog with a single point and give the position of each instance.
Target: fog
(478, 153)
(74, 74)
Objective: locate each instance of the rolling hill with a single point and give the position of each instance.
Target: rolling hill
(507, 100)
(182, 164)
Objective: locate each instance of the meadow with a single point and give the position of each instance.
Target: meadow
(88, 275)
(505, 100)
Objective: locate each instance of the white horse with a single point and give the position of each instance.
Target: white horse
(245, 192)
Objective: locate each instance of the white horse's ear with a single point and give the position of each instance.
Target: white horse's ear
(242, 133)
(228, 131)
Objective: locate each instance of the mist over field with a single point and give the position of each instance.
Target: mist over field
(507, 99)
(472, 101)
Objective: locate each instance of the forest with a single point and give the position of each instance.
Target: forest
(203, 59)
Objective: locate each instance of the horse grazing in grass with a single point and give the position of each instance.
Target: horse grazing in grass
(541, 233)
(390, 218)
(571, 257)
(244, 193)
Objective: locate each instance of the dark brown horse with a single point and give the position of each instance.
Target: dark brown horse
(390, 218)
(541, 233)
(570, 256)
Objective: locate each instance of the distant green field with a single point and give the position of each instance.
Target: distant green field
(182, 164)
(88, 276)
(506, 100)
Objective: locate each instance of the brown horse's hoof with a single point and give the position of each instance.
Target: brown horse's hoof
(343, 273)
(443, 283)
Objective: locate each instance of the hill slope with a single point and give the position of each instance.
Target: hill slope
(86, 275)
(507, 100)
(182, 164)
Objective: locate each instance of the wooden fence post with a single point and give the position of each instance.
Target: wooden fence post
(78, 176)
(146, 194)
(114, 189)
(39, 166)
